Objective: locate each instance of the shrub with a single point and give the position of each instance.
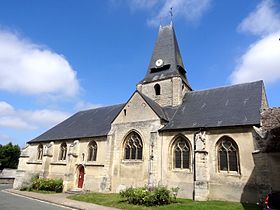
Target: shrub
(142, 196)
(162, 195)
(55, 185)
(44, 184)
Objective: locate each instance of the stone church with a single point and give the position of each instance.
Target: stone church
(206, 142)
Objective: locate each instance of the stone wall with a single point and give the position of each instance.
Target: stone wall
(208, 182)
(7, 176)
(270, 118)
(172, 91)
(51, 167)
(139, 118)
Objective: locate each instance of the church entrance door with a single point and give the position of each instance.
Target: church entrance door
(81, 176)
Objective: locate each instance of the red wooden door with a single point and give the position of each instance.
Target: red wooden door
(81, 177)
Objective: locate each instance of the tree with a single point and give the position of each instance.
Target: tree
(9, 156)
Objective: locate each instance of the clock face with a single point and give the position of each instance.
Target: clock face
(159, 62)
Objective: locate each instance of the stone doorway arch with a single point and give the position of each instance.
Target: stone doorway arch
(81, 176)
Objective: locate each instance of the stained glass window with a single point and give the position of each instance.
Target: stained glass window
(228, 155)
(181, 154)
(133, 147)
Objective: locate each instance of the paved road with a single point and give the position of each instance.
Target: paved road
(13, 202)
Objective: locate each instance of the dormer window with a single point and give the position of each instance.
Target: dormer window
(157, 89)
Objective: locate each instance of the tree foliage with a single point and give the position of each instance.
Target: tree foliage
(9, 156)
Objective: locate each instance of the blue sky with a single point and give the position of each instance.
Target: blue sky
(59, 57)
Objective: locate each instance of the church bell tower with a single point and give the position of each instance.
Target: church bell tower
(165, 81)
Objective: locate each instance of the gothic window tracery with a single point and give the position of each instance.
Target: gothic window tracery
(181, 153)
(40, 152)
(63, 151)
(133, 147)
(92, 151)
(228, 155)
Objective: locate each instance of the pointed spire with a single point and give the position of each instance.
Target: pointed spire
(166, 61)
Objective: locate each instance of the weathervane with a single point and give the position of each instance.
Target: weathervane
(165, 16)
(171, 14)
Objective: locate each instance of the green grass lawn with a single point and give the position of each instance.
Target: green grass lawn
(114, 200)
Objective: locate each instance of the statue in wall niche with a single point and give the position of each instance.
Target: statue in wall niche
(73, 149)
(262, 139)
(24, 151)
(48, 150)
(200, 140)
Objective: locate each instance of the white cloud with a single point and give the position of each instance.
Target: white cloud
(5, 108)
(14, 122)
(28, 68)
(143, 4)
(190, 10)
(263, 20)
(29, 119)
(44, 117)
(83, 105)
(261, 61)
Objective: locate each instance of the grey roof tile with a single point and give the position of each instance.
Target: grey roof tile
(89, 123)
(170, 111)
(226, 106)
(167, 49)
(155, 106)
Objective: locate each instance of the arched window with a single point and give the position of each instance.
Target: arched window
(227, 155)
(181, 153)
(63, 151)
(133, 147)
(92, 151)
(40, 152)
(157, 89)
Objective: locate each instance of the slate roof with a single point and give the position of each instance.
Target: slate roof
(226, 106)
(155, 107)
(170, 111)
(234, 105)
(167, 49)
(89, 123)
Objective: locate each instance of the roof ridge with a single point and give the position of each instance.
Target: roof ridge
(226, 86)
(151, 100)
(101, 107)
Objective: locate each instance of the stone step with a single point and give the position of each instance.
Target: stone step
(75, 191)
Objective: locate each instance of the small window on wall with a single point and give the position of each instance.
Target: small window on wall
(40, 152)
(92, 151)
(133, 147)
(181, 154)
(157, 89)
(63, 151)
(228, 155)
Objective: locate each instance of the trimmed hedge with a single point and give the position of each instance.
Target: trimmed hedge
(160, 195)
